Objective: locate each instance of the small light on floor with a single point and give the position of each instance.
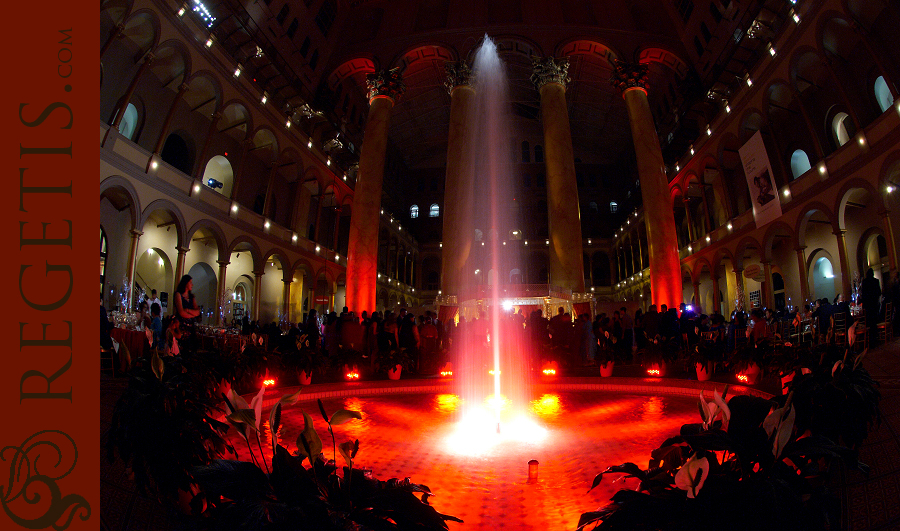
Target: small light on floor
(318, 248)
(181, 12)
(890, 189)
(154, 165)
(196, 188)
(264, 99)
(294, 238)
(708, 131)
(822, 168)
(690, 249)
(288, 123)
(266, 224)
(309, 145)
(234, 208)
(209, 42)
(727, 108)
(730, 226)
(707, 239)
(787, 192)
(268, 383)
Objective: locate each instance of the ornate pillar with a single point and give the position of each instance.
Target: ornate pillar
(270, 186)
(739, 289)
(220, 292)
(168, 121)
(132, 261)
(692, 234)
(697, 301)
(768, 293)
(665, 267)
(804, 279)
(117, 32)
(239, 167)
(179, 263)
(566, 265)
(716, 298)
(845, 263)
(257, 292)
(384, 88)
(286, 299)
(459, 182)
(120, 113)
(198, 173)
(889, 237)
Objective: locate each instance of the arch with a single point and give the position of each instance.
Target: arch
(172, 66)
(145, 38)
(302, 264)
(769, 238)
(204, 86)
(822, 285)
(247, 243)
(219, 175)
(217, 234)
(167, 206)
(355, 70)
(281, 255)
(700, 265)
(430, 52)
(665, 57)
(587, 46)
(846, 191)
(235, 119)
(516, 45)
(116, 184)
(810, 209)
(179, 151)
(746, 243)
(862, 248)
(265, 141)
(799, 163)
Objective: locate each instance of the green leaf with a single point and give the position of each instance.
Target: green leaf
(156, 363)
(275, 422)
(348, 451)
(322, 410)
(309, 444)
(343, 415)
(290, 400)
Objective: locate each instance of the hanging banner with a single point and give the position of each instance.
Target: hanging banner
(766, 206)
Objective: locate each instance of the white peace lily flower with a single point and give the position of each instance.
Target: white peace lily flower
(692, 475)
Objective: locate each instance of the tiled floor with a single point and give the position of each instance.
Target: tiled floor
(489, 495)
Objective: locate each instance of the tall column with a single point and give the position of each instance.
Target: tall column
(768, 293)
(257, 292)
(665, 267)
(286, 300)
(804, 279)
(239, 169)
(116, 33)
(168, 121)
(179, 263)
(716, 298)
(739, 289)
(697, 301)
(692, 236)
(131, 88)
(200, 162)
(459, 181)
(845, 263)
(220, 292)
(817, 142)
(132, 261)
(270, 190)
(889, 237)
(362, 262)
(564, 219)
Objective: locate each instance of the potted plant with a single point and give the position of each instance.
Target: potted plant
(162, 428)
(394, 361)
(605, 356)
(304, 360)
(748, 464)
(704, 356)
(748, 359)
(657, 354)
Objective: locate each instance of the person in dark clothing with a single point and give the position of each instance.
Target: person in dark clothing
(870, 293)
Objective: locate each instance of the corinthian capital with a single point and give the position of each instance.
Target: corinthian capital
(548, 70)
(629, 75)
(385, 83)
(458, 74)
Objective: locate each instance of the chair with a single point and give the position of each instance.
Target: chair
(740, 336)
(861, 330)
(709, 337)
(886, 328)
(839, 328)
(107, 361)
(807, 331)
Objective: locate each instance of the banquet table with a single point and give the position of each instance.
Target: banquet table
(136, 341)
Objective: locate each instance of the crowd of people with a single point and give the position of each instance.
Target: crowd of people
(429, 342)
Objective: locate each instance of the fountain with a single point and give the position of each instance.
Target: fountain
(495, 372)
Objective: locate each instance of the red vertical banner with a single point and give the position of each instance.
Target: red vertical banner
(49, 381)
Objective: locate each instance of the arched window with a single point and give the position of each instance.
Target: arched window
(515, 234)
(613, 207)
(799, 163)
(128, 125)
(219, 175)
(538, 154)
(103, 254)
(282, 15)
(526, 151)
(839, 128)
(434, 211)
(883, 94)
(414, 211)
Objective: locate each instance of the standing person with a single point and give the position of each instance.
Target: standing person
(156, 325)
(185, 312)
(312, 330)
(870, 293)
(154, 299)
(409, 338)
(587, 340)
(627, 330)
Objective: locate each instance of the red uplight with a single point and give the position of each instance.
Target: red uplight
(269, 382)
(492, 371)
(353, 375)
(743, 378)
(653, 372)
(550, 372)
(446, 373)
